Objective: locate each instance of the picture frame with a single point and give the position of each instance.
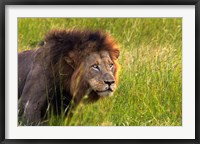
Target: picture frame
(5, 3)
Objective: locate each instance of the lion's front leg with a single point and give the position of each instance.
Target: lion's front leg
(32, 113)
(34, 96)
(72, 107)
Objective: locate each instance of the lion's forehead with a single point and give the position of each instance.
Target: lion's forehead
(98, 56)
(104, 54)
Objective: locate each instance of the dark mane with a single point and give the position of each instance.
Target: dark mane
(81, 42)
(74, 36)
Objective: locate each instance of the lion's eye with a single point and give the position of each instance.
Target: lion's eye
(111, 65)
(96, 67)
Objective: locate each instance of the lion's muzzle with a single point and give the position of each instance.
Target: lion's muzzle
(105, 88)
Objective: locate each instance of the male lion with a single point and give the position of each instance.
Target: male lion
(68, 66)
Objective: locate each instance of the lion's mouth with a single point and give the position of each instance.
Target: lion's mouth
(104, 91)
(107, 92)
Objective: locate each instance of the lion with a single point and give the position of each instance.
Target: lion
(68, 66)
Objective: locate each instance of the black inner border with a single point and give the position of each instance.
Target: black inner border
(3, 3)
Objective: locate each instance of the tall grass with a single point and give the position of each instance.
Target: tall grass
(150, 83)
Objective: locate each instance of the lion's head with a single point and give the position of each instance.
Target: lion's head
(92, 58)
(99, 73)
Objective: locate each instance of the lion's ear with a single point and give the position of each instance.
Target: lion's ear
(70, 62)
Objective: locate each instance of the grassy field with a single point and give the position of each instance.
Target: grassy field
(150, 83)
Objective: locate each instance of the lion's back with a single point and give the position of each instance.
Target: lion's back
(25, 63)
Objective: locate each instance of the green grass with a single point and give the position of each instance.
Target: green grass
(150, 84)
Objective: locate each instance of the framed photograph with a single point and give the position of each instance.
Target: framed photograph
(99, 72)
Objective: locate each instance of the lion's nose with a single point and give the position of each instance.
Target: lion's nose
(109, 82)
